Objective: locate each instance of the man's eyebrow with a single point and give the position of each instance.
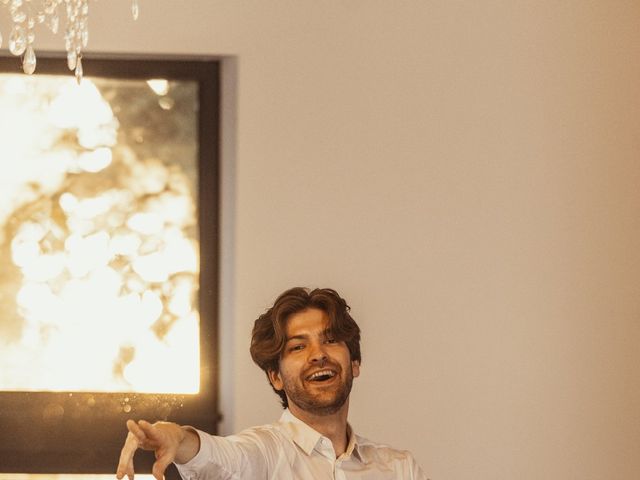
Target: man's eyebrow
(297, 337)
(326, 333)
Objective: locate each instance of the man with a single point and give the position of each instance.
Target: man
(309, 347)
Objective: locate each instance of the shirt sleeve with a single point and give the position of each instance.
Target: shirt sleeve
(233, 457)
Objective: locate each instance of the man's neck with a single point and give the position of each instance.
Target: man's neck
(333, 426)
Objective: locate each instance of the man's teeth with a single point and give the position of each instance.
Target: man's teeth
(322, 375)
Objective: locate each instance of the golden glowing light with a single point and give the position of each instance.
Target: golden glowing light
(95, 160)
(80, 106)
(159, 85)
(100, 246)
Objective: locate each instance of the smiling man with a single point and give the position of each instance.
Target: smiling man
(309, 347)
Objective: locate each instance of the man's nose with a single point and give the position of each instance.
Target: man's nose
(317, 354)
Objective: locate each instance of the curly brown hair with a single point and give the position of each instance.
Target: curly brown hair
(269, 330)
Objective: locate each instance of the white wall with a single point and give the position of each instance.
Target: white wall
(467, 174)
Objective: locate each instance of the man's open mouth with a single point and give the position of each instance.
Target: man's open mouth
(321, 375)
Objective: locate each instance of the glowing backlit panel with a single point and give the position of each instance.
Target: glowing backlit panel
(99, 243)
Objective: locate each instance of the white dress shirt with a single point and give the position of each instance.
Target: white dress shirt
(291, 450)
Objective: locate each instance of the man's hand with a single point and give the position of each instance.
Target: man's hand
(164, 438)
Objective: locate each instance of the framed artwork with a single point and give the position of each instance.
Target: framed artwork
(109, 254)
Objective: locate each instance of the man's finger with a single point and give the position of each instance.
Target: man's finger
(146, 428)
(131, 473)
(125, 464)
(137, 430)
(160, 465)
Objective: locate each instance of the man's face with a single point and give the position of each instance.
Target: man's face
(316, 371)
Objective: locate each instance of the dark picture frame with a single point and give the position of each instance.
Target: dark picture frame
(82, 432)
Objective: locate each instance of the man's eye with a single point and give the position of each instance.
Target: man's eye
(331, 340)
(296, 347)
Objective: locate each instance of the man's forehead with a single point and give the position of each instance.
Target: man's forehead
(311, 321)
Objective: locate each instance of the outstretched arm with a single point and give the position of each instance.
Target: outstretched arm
(169, 441)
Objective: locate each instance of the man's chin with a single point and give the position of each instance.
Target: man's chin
(321, 410)
(321, 407)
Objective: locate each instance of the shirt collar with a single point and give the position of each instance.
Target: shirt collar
(353, 445)
(308, 439)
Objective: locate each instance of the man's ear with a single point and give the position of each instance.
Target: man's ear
(355, 368)
(275, 379)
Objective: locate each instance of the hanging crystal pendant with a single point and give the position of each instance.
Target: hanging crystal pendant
(84, 34)
(54, 22)
(29, 61)
(17, 14)
(135, 9)
(49, 6)
(25, 15)
(17, 40)
(72, 59)
(79, 70)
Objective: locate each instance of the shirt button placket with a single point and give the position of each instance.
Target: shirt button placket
(338, 473)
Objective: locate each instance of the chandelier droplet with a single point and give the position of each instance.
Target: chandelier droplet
(18, 16)
(72, 59)
(135, 9)
(17, 40)
(29, 61)
(49, 6)
(85, 37)
(54, 22)
(79, 70)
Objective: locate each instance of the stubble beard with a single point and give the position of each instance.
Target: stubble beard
(314, 403)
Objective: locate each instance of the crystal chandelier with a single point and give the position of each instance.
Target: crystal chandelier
(27, 14)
